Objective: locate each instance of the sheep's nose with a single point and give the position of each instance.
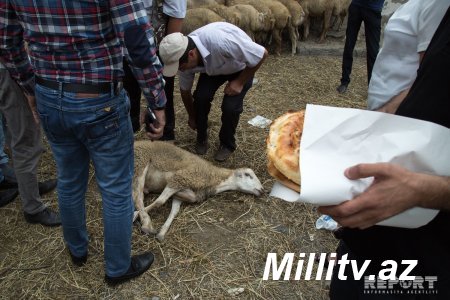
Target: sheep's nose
(259, 191)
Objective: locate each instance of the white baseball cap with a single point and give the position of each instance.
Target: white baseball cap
(171, 49)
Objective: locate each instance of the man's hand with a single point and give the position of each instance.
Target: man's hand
(233, 88)
(393, 191)
(157, 128)
(32, 104)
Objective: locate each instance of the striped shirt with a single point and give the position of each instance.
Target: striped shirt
(76, 41)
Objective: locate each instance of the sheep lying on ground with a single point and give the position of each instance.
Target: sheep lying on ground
(164, 168)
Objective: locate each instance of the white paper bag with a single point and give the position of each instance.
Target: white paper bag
(334, 139)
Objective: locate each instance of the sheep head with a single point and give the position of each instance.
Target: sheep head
(247, 182)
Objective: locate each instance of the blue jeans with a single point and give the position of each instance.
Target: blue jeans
(97, 129)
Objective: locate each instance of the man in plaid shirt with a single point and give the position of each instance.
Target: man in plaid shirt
(73, 72)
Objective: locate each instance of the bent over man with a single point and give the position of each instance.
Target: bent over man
(220, 52)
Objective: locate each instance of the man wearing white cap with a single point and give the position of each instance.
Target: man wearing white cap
(220, 52)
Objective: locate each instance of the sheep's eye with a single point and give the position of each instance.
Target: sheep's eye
(248, 175)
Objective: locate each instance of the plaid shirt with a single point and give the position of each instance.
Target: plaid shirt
(78, 42)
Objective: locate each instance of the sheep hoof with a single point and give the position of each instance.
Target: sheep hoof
(160, 237)
(148, 230)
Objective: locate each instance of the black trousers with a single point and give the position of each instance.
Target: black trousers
(232, 107)
(133, 89)
(372, 26)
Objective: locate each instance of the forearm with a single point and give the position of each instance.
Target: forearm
(188, 101)
(393, 104)
(174, 25)
(434, 191)
(249, 72)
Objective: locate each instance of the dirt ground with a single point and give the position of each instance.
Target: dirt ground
(211, 247)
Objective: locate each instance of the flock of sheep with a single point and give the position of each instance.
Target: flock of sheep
(264, 20)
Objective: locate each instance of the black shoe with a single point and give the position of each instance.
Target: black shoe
(201, 147)
(342, 88)
(8, 184)
(78, 261)
(46, 186)
(8, 196)
(139, 264)
(46, 217)
(222, 154)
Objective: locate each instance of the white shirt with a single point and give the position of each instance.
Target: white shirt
(408, 32)
(225, 49)
(172, 8)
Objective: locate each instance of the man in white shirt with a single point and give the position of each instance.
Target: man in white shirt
(220, 52)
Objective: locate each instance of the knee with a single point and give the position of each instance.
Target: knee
(232, 107)
(203, 95)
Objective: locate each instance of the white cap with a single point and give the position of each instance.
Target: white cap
(171, 49)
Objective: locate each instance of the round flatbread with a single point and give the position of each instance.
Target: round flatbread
(281, 178)
(283, 144)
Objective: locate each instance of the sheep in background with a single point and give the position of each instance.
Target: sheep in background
(318, 8)
(266, 13)
(198, 17)
(340, 11)
(164, 168)
(244, 16)
(282, 19)
(230, 14)
(297, 18)
(200, 3)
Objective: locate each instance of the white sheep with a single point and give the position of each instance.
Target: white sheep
(266, 13)
(282, 18)
(297, 19)
(164, 168)
(199, 3)
(318, 8)
(198, 17)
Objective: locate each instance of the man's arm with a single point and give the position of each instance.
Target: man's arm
(188, 102)
(174, 25)
(393, 191)
(392, 105)
(235, 86)
(135, 33)
(176, 10)
(12, 48)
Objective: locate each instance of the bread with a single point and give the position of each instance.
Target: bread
(283, 147)
(281, 178)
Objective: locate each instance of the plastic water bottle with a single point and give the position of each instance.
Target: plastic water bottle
(326, 222)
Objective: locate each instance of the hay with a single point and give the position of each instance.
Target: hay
(211, 247)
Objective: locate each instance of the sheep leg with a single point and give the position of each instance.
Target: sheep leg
(276, 33)
(306, 28)
(326, 25)
(138, 197)
(187, 196)
(293, 37)
(163, 197)
(176, 203)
